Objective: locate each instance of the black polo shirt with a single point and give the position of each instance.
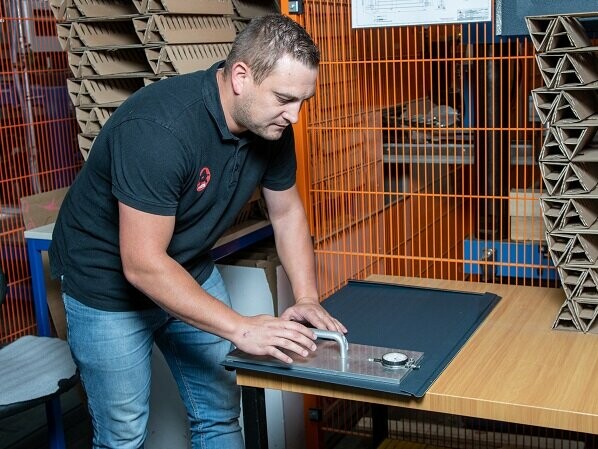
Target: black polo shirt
(165, 151)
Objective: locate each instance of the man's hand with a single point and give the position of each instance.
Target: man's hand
(311, 311)
(265, 334)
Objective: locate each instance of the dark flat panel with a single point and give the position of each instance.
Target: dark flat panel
(435, 322)
(510, 14)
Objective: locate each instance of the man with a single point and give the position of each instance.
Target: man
(165, 178)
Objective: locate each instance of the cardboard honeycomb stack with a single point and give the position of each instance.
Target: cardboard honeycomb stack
(568, 107)
(115, 47)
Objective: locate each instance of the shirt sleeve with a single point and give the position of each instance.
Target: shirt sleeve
(282, 168)
(148, 166)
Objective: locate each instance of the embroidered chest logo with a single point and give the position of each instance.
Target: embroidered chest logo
(204, 179)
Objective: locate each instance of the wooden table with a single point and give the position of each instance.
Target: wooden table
(515, 368)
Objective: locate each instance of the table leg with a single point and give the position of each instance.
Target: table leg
(38, 282)
(254, 418)
(379, 424)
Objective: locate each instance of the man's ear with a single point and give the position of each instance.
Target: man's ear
(240, 75)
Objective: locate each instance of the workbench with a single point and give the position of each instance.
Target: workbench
(514, 368)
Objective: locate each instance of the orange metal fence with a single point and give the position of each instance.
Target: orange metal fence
(420, 153)
(37, 138)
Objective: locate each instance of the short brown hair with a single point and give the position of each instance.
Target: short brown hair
(268, 38)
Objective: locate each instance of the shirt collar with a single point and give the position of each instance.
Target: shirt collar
(213, 102)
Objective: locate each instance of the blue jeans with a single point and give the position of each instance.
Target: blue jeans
(113, 351)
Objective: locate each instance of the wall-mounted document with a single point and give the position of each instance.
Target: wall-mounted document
(386, 13)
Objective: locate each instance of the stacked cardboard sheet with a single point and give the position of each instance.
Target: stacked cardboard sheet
(568, 108)
(116, 47)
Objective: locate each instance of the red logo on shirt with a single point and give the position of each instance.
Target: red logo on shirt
(204, 179)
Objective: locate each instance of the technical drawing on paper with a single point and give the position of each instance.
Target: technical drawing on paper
(379, 13)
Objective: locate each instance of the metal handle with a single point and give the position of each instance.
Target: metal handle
(336, 336)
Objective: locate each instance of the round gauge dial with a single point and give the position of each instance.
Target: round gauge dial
(394, 359)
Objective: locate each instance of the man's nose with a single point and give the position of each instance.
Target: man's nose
(291, 114)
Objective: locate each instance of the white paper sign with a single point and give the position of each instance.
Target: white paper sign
(385, 13)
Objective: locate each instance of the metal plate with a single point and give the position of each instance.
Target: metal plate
(326, 359)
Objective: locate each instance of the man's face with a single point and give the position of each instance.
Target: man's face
(268, 108)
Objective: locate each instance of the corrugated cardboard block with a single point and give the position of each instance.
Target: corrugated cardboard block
(575, 250)
(91, 120)
(577, 69)
(576, 105)
(255, 8)
(92, 63)
(569, 178)
(85, 144)
(178, 59)
(587, 312)
(587, 286)
(101, 35)
(87, 9)
(567, 319)
(552, 150)
(544, 102)
(58, 8)
(571, 278)
(557, 32)
(178, 29)
(568, 69)
(102, 92)
(539, 30)
(565, 106)
(559, 246)
(100, 9)
(571, 143)
(552, 211)
(576, 215)
(184, 6)
(583, 250)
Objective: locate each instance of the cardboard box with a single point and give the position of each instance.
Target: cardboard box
(179, 59)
